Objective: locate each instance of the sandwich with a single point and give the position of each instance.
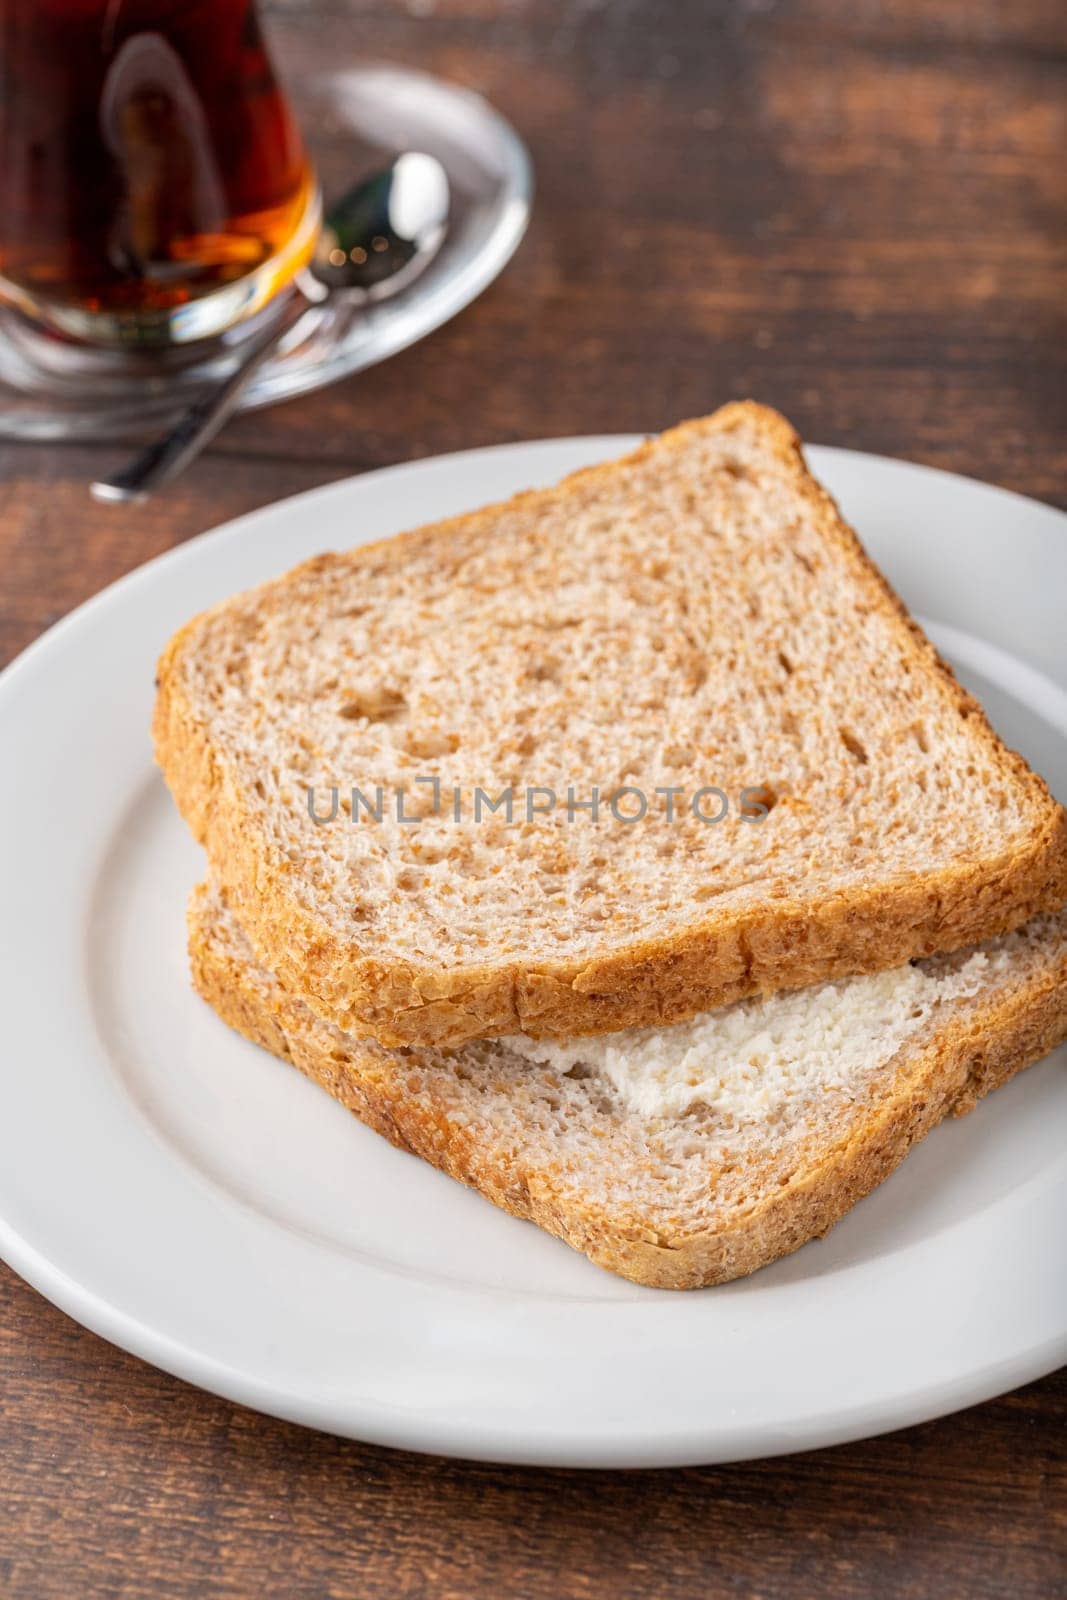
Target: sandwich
(624, 849)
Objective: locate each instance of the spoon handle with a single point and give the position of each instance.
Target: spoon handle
(168, 455)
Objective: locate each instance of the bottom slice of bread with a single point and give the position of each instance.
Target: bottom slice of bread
(678, 1160)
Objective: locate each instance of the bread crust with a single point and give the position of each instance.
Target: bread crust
(948, 1072)
(756, 949)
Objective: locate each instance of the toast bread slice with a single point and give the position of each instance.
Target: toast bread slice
(695, 616)
(853, 1075)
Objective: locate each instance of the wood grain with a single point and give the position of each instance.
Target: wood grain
(857, 213)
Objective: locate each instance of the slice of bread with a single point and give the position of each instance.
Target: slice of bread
(768, 1121)
(695, 615)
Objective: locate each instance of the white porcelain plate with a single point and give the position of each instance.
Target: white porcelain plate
(200, 1204)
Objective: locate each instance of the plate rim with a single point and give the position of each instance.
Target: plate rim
(706, 1445)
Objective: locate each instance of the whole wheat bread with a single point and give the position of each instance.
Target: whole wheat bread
(801, 1104)
(696, 614)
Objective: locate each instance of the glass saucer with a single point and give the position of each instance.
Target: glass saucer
(54, 388)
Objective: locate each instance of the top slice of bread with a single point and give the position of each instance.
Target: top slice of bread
(696, 614)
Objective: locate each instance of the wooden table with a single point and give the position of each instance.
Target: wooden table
(852, 209)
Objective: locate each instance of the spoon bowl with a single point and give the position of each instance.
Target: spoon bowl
(384, 226)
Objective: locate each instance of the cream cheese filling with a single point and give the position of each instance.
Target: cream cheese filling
(760, 1056)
